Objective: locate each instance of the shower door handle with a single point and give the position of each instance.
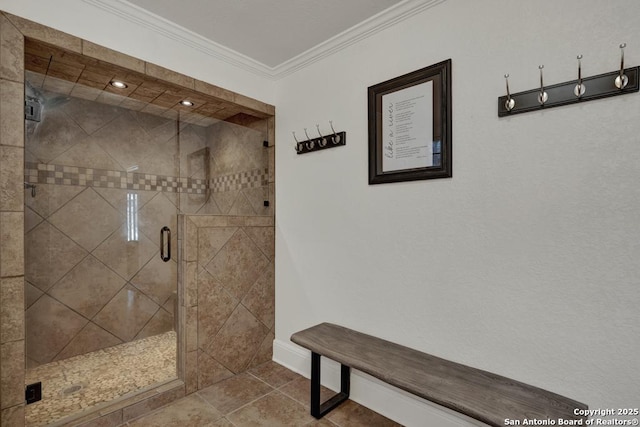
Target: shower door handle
(165, 231)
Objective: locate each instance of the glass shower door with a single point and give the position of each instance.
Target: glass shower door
(102, 174)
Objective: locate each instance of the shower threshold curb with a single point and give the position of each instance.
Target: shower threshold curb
(122, 402)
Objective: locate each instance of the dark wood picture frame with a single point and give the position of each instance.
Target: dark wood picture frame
(440, 75)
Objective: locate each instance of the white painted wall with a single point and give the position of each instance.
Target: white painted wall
(527, 262)
(89, 22)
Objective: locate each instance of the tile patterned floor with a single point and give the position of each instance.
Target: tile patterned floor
(268, 395)
(73, 385)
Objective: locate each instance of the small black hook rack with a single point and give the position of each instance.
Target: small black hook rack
(321, 142)
(619, 82)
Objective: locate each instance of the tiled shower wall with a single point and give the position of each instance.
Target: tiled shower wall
(90, 284)
(12, 314)
(229, 296)
(11, 225)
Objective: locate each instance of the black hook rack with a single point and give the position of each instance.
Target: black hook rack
(619, 82)
(597, 87)
(322, 142)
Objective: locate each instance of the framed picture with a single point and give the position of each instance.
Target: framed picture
(410, 126)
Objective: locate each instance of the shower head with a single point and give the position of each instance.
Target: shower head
(45, 98)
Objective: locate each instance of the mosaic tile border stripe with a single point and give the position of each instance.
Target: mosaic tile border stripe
(40, 173)
(240, 181)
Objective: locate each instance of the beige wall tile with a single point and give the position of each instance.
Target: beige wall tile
(40, 32)
(239, 221)
(215, 305)
(209, 220)
(254, 104)
(90, 338)
(242, 206)
(181, 226)
(51, 326)
(271, 130)
(260, 300)
(191, 284)
(161, 322)
(13, 417)
(256, 197)
(46, 34)
(169, 76)
(125, 258)
(238, 265)
(157, 279)
(128, 304)
(11, 114)
(191, 372)
(272, 164)
(210, 371)
(191, 241)
(87, 287)
(272, 198)
(11, 179)
(211, 240)
(212, 90)
(238, 341)
(11, 51)
(265, 352)
(264, 238)
(12, 248)
(87, 219)
(261, 221)
(11, 309)
(111, 56)
(49, 255)
(191, 328)
(12, 373)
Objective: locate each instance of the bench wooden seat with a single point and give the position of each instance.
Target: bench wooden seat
(479, 394)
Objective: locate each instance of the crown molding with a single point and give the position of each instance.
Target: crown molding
(387, 18)
(173, 31)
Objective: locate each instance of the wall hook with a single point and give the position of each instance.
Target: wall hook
(336, 137)
(323, 140)
(619, 81)
(580, 88)
(319, 142)
(542, 96)
(310, 144)
(298, 145)
(510, 102)
(622, 80)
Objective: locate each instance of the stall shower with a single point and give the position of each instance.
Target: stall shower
(106, 176)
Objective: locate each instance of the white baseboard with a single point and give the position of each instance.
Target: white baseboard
(393, 403)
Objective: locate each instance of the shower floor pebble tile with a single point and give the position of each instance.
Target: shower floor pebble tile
(81, 382)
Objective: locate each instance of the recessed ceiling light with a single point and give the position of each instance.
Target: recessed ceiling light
(187, 103)
(118, 84)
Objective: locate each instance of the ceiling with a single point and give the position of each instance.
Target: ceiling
(269, 32)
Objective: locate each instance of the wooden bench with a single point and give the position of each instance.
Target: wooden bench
(479, 394)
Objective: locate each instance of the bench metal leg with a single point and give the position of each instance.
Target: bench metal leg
(319, 410)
